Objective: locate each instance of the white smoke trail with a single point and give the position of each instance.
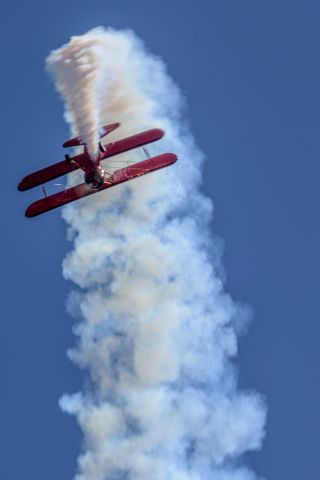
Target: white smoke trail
(157, 331)
(81, 71)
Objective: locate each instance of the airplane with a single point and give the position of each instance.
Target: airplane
(96, 178)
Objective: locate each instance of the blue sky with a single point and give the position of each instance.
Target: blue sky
(250, 74)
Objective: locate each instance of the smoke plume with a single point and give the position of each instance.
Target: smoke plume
(156, 331)
(81, 72)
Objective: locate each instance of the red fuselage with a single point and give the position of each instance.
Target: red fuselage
(93, 172)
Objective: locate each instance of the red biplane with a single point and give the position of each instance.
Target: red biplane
(95, 178)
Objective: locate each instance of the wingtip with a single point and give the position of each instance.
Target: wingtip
(21, 186)
(172, 157)
(34, 209)
(160, 133)
(29, 213)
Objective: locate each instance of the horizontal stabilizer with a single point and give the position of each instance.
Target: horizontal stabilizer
(76, 141)
(108, 129)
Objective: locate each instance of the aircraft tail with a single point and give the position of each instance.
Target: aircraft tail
(76, 141)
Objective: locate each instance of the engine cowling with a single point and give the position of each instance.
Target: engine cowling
(95, 179)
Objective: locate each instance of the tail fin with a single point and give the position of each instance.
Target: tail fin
(76, 141)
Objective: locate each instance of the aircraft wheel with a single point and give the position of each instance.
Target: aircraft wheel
(102, 147)
(68, 159)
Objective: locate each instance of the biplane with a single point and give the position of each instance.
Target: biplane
(96, 178)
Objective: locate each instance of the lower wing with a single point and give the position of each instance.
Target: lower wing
(83, 190)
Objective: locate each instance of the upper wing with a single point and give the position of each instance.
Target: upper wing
(114, 148)
(83, 190)
(135, 141)
(50, 173)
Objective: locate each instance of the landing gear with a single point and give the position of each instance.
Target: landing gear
(68, 159)
(102, 148)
